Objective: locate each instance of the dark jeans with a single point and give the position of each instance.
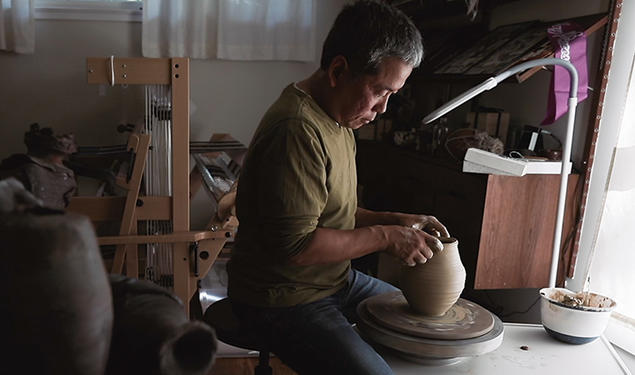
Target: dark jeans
(317, 337)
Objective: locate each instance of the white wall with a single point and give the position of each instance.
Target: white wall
(50, 87)
(231, 96)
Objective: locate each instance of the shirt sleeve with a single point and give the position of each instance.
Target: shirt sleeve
(292, 187)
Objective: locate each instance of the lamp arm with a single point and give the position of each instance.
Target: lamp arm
(573, 73)
(492, 82)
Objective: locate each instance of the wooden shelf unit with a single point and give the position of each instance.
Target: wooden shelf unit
(464, 55)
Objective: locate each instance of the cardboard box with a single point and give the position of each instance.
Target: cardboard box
(496, 124)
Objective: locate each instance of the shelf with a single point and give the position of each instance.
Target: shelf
(481, 161)
(548, 52)
(504, 47)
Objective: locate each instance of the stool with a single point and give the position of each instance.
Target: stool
(229, 330)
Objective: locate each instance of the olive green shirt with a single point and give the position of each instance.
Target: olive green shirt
(299, 174)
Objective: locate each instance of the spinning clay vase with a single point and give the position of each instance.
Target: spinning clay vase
(433, 287)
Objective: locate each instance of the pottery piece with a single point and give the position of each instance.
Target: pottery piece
(433, 287)
(152, 334)
(56, 312)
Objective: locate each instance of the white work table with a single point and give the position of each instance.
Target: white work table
(544, 355)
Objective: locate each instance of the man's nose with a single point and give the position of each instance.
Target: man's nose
(380, 106)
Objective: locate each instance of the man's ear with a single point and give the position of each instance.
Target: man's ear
(337, 69)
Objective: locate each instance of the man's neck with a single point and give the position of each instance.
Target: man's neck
(317, 87)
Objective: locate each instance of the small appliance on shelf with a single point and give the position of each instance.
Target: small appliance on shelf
(481, 161)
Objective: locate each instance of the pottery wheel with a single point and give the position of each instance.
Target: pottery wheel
(425, 350)
(464, 320)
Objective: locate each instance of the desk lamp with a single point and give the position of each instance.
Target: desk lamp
(489, 84)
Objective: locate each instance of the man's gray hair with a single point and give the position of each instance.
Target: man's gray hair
(366, 32)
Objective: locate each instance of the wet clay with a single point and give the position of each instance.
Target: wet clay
(582, 299)
(433, 287)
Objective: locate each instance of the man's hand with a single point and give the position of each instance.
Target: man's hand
(429, 224)
(426, 223)
(410, 245)
(14, 197)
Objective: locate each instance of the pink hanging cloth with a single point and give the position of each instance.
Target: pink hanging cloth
(570, 43)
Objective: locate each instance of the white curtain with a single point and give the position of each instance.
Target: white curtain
(177, 28)
(230, 29)
(266, 30)
(17, 26)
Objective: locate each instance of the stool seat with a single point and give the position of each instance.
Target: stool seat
(229, 330)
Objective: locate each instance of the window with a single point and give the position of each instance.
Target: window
(606, 247)
(282, 30)
(97, 10)
(611, 269)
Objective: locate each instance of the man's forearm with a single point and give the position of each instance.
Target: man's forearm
(334, 245)
(393, 232)
(365, 218)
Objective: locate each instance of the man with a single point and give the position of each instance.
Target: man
(290, 274)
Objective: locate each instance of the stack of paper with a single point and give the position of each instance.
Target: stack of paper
(480, 161)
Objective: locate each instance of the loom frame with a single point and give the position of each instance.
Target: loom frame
(194, 252)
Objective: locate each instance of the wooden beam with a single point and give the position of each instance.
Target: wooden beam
(111, 208)
(132, 71)
(186, 237)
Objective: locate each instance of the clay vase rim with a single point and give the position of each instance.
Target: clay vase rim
(447, 239)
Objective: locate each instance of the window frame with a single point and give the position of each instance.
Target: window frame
(121, 11)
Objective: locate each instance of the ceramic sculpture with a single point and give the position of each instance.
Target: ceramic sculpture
(152, 334)
(56, 313)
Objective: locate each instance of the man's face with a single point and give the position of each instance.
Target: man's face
(361, 98)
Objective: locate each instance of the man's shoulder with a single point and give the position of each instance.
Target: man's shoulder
(291, 103)
(294, 109)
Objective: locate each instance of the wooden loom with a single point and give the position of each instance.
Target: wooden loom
(192, 252)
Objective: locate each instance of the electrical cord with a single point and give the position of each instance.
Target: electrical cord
(520, 312)
(498, 309)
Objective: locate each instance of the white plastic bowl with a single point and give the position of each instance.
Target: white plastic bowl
(574, 324)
